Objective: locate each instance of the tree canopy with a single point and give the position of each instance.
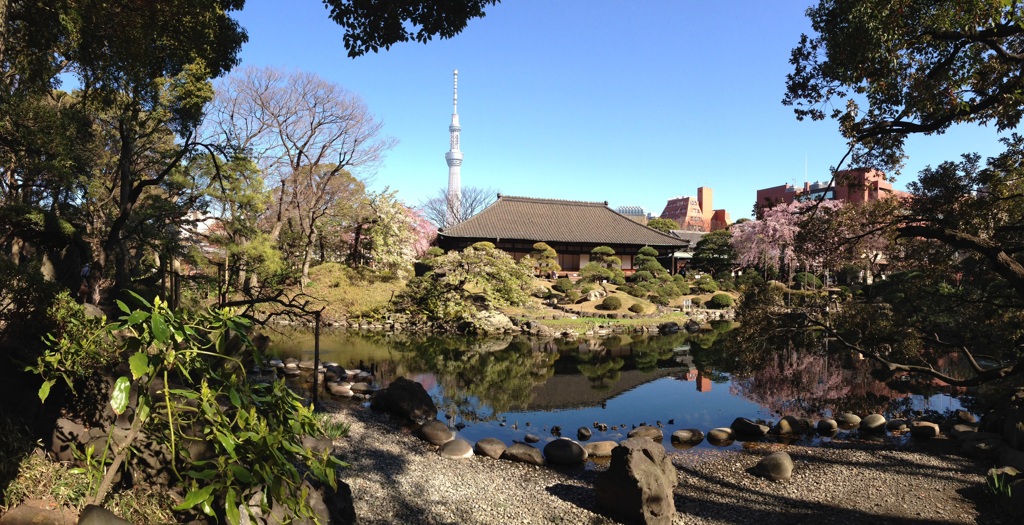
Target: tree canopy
(884, 70)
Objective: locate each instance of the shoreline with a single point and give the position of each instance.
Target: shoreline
(395, 477)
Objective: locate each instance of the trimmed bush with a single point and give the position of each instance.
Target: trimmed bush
(695, 302)
(706, 284)
(637, 308)
(611, 303)
(563, 284)
(806, 281)
(719, 301)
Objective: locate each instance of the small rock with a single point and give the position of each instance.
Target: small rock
(985, 449)
(436, 433)
(960, 431)
(490, 447)
(530, 438)
(896, 425)
(777, 466)
(827, 427)
(583, 433)
(457, 448)
(645, 431)
(523, 453)
(720, 437)
(600, 449)
(848, 421)
(745, 429)
(790, 425)
(686, 438)
(94, 515)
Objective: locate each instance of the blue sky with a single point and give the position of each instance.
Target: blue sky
(627, 102)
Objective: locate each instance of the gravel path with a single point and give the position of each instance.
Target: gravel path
(396, 478)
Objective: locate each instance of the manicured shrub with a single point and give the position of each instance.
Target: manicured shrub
(706, 284)
(611, 303)
(658, 299)
(637, 308)
(642, 276)
(719, 301)
(806, 281)
(695, 302)
(750, 279)
(563, 284)
(727, 286)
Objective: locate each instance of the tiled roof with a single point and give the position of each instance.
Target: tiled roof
(552, 220)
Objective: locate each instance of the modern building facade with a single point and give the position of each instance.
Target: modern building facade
(856, 186)
(696, 214)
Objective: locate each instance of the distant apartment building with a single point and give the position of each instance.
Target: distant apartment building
(635, 213)
(696, 213)
(856, 186)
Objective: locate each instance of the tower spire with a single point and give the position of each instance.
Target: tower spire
(454, 159)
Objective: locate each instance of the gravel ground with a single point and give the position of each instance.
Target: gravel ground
(396, 478)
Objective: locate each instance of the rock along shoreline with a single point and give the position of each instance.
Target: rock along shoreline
(396, 477)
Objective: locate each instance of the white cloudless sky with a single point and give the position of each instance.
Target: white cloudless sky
(597, 100)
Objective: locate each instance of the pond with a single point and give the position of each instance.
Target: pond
(511, 386)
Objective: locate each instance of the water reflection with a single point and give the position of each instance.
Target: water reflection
(506, 387)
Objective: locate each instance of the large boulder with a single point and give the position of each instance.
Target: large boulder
(490, 322)
(638, 485)
(777, 466)
(924, 429)
(564, 451)
(827, 427)
(747, 430)
(95, 515)
(406, 399)
(873, 424)
(523, 453)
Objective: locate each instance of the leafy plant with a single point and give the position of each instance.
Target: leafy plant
(637, 308)
(611, 303)
(719, 301)
(194, 365)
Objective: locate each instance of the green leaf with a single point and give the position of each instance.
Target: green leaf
(137, 317)
(44, 390)
(144, 409)
(160, 331)
(123, 307)
(231, 507)
(139, 364)
(204, 474)
(241, 474)
(119, 396)
(228, 442)
(195, 497)
(235, 400)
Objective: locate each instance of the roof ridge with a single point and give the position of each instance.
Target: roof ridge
(551, 201)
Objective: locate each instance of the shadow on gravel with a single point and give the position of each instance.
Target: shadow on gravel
(581, 496)
(740, 503)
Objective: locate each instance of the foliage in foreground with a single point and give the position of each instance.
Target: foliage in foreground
(189, 373)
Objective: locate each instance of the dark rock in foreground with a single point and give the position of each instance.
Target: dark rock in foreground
(638, 485)
(406, 399)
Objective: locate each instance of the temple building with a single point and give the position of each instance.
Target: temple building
(572, 228)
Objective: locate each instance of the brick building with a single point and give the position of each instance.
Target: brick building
(855, 186)
(696, 213)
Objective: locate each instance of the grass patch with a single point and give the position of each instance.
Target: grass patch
(582, 324)
(331, 426)
(348, 292)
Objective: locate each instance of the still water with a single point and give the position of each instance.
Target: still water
(512, 386)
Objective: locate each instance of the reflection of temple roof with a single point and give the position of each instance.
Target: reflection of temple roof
(575, 391)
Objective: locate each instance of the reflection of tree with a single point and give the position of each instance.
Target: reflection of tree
(602, 372)
(479, 383)
(795, 383)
